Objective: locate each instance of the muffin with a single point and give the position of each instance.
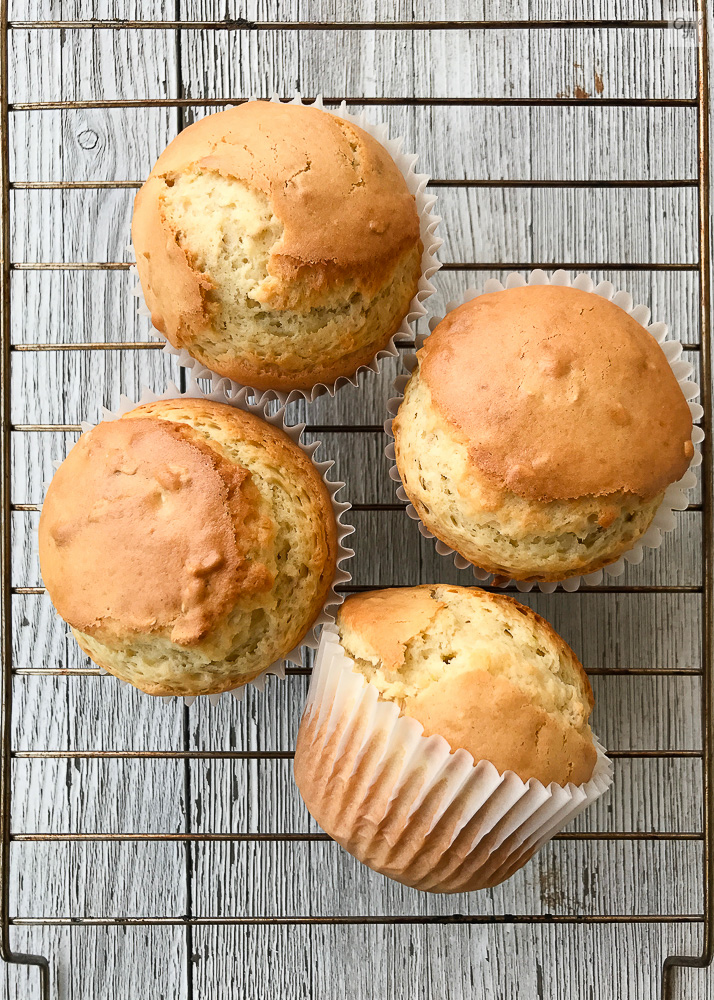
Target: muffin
(188, 544)
(278, 244)
(446, 735)
(539, 432)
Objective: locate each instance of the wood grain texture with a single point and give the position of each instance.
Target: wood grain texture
(489, 226)
(460, 962)
(101, 878)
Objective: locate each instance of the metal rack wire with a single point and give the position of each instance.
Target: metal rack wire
(705, 916)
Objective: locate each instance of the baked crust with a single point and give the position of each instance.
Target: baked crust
(277, 545)
(566, 395)
(167, 508)
(539, 431)
(492, 698)
(491, 526)
(348, 229)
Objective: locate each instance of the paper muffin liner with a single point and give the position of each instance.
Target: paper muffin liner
(406, 805)
(675, 497)
(237, 398)
(428, 222)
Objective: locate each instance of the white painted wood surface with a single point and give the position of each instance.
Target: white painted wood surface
(609, 630)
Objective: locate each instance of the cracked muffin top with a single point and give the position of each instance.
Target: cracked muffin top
(277, 243)
(479, 669)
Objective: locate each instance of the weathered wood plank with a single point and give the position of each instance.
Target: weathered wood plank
(468, 63)
(88, 381)
(96, 799)
(430, 63)
(81, 878)
(579, 877)
(548, 963)
(66, 10)
(484, 142)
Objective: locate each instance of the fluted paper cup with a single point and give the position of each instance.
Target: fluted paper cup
(407, 805)
(238, 399)
(675, 497)
(428, 222)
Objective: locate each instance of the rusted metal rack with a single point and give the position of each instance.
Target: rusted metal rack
(705, 916)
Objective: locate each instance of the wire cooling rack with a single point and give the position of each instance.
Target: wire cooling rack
(14, 675)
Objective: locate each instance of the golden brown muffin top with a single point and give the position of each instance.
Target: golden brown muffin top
(344, 204)
(147, 529)
(481, 670)
(560, 394)
(388, 619)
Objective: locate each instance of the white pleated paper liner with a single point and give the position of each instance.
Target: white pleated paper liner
(404, 803)
(342, 576)
(675, 497)
(428, 222)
